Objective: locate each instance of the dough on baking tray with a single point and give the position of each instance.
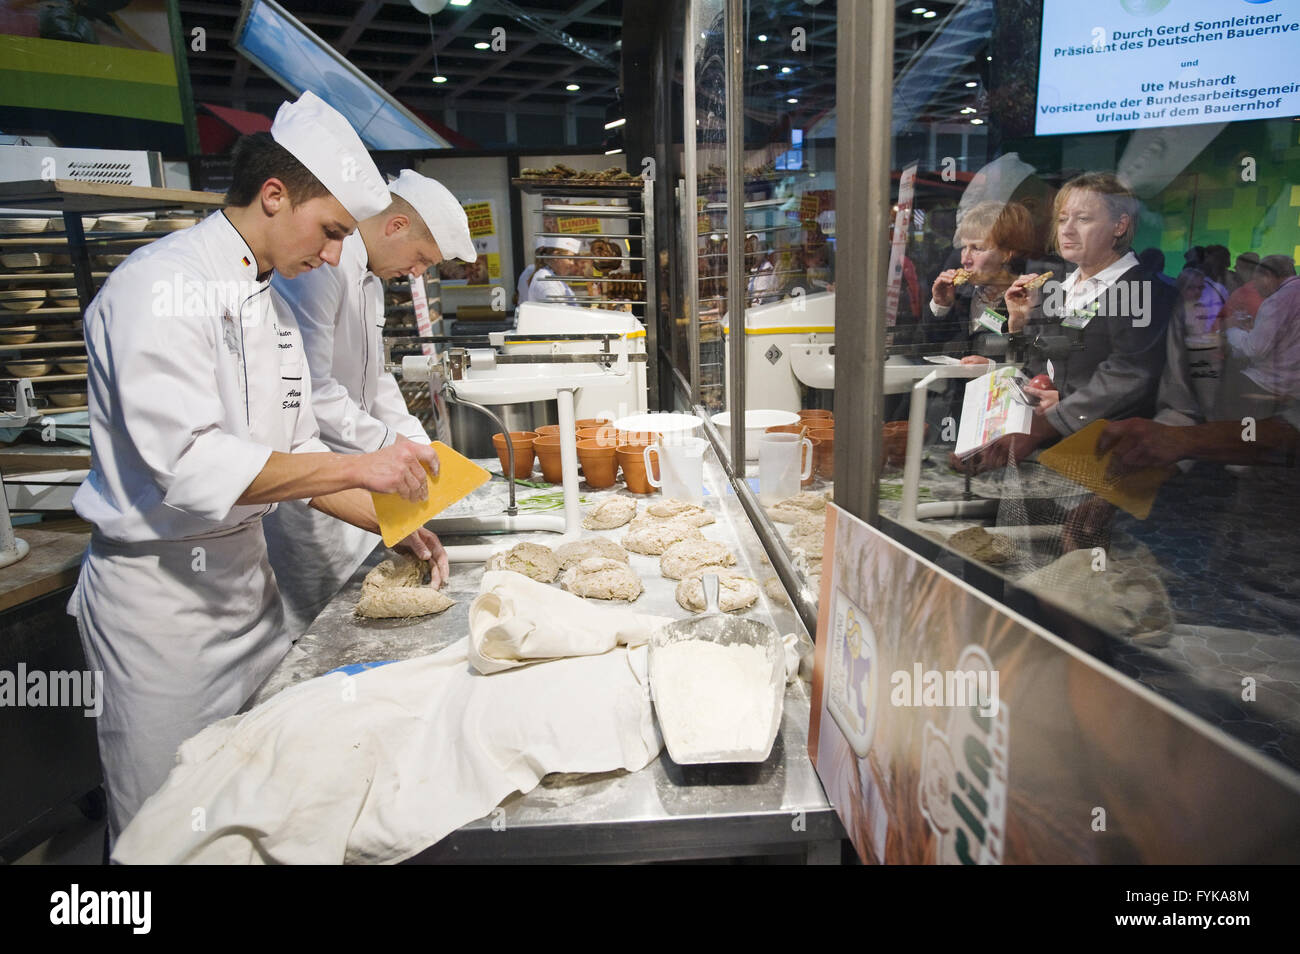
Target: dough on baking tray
(775, 591)
(680, 559)
(673, 509)
(531, 559)
(570, 554)
(603, 579)
(735, 591)
(610, 514)
(811, 524)
(655, 538)
(393, 590)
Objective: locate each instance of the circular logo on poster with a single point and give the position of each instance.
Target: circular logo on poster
(1143, 8)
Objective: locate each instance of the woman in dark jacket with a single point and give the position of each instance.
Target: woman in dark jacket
(1100, 333)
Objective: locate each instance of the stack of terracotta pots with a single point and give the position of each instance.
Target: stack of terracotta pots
(821, 431)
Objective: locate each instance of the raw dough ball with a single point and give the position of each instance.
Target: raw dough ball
(735, 591)
(673, 509)
(812, 524)
(775, 591)
(603, 579)
(810, 546)
(610, 514)
(978, 544)
(531, 559)
(573, 553)
(791, 509)
(392, 590)
(655, 538)
(680, 559)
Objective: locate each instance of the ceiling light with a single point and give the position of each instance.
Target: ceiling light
(792, 100)
(928, 15)
(972, 84)
(761, 66)
(762, 38)
(440, 78)
(918, 9)
(968, 109)
(619, 122)
(480, 45)
(612, 152)
(989, 59)
(977, 122)
(785, 69)
(460, 3)
(573, 87)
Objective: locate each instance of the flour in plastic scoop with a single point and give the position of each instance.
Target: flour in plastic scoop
(712, 698)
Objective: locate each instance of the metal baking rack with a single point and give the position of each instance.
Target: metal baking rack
(563, 198)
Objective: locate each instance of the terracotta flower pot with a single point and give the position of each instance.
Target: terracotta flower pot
(545, 429)
(523, 441)
(632, 462)
(635, 437)
(894, 442)
(599, 463)
(605, 434)
(547, 447)
(824, 455)
(816, 413)
(591, 422)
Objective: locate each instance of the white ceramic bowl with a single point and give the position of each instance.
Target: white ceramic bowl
(756, 422)
(667, 426)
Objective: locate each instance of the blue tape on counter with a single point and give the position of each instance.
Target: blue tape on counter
(354, 668)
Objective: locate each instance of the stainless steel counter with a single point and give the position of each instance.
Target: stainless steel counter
(663, 812)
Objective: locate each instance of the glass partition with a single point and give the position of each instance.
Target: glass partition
(789, 235)
(1094, 344)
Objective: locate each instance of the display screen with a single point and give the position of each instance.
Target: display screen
(1132, 64)
(299, 60)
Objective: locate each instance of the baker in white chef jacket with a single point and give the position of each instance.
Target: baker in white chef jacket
(358, 406)
(553, 260)
(200, 421)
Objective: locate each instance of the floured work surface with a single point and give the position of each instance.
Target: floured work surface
(664, 811)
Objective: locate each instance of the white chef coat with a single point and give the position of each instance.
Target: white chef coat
(546, 286)
(522, 286)
(359, 408)
(194, 380)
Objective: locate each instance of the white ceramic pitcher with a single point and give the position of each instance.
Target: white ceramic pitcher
(681, 468)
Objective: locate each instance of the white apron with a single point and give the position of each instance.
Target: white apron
(184, 629)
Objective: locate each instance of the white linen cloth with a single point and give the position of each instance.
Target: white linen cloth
(377, 766)
(515, 621)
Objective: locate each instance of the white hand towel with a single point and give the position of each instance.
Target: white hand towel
(515, 621)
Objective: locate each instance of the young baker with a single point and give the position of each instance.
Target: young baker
(200, 418)
(340, 312)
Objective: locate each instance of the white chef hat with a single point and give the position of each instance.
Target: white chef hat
(441, 212)
(564, 243)
(318, 136)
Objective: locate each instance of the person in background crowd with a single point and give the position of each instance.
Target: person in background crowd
(1246, 263)
(996, 241)
(1243, 304)
(555, 260)
(1203, 297)
(1154, 261)
(1105, 338)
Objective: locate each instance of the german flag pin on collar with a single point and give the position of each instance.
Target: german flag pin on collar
(246, 261)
